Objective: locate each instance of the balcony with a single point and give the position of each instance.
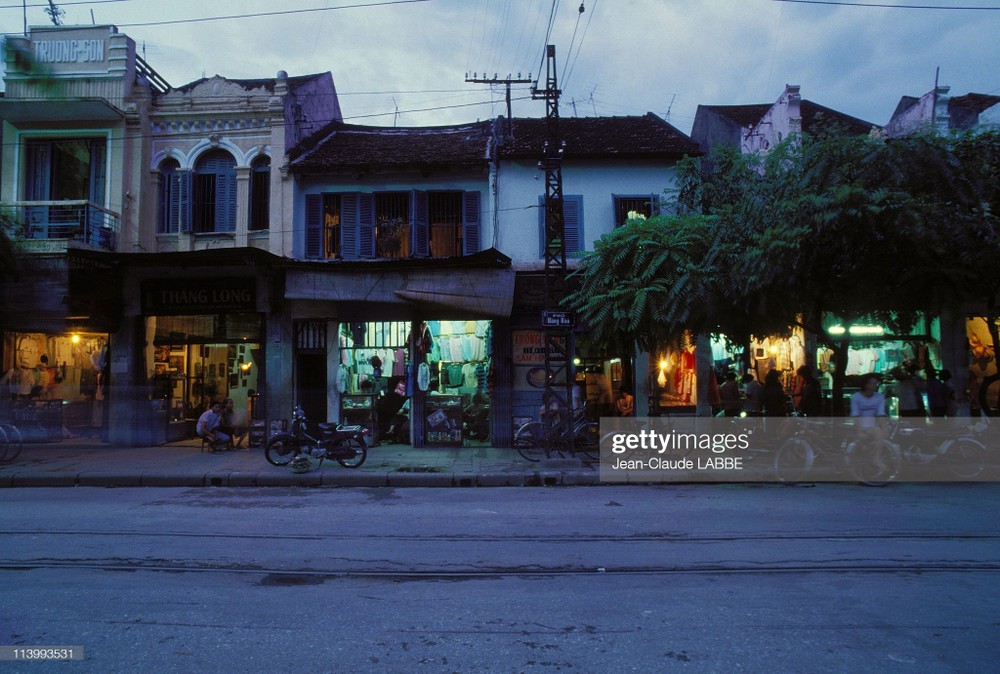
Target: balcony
(81, 221)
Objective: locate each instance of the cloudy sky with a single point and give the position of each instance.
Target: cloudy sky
(405, 62)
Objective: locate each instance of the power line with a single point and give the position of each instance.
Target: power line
(887, 6)
(260, 14)
(45, 4)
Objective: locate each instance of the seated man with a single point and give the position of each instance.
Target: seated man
(208, 426)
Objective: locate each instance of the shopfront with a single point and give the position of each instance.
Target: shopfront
(54, 384)
(383, 364)
(406, 350)
(203, 343)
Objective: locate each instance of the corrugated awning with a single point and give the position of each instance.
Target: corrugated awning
(58, 110)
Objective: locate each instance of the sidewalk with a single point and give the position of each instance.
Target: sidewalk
(183, 464)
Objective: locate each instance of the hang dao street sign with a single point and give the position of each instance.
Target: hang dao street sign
(558, 319)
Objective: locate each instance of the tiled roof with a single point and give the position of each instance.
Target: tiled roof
(814, 116)
(265, 83)
(976, 102)
(742, 115)
(648, 135)
(340, 145)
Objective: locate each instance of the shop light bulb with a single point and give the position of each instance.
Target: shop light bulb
(663, 364)
(866, 330)
(836, 330)
(75, 338)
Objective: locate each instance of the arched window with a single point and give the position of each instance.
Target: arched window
(169, 202)
(260, 193)
(214, 205)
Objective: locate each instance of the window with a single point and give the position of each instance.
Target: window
(66, 169)
(395, 225)
(260, 194)
(214, 204)
(444, 216)
(392, 224)
(169, 202)
(572, 224)
(331, 225)
(642, 204)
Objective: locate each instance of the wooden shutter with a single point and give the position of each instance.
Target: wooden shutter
(349, 226)
(225, 202)
(573, 223)
(314, 226)
(470, 222)
(39, 171)
(185, 199)
(366, 225)
(420, 224)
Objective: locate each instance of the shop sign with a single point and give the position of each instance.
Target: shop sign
(69, 51)
(199, 296)
(529, 347)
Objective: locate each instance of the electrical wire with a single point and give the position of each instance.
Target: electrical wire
(263, 14)
(882, 5)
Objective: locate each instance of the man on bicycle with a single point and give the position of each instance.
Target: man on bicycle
(868, 405)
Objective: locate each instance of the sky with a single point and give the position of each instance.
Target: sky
(405, 62)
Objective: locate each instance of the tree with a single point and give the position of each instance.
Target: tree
(832, 225)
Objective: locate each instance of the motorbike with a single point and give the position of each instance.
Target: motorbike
(344, 444)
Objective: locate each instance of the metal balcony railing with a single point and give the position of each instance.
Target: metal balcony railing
(82, 221)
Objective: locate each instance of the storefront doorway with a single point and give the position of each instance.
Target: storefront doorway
(54, 386)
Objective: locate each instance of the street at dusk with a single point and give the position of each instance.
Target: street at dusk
(634, 579)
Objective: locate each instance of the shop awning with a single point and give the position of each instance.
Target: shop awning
(477, 293)
(59, 110)
(454, 287)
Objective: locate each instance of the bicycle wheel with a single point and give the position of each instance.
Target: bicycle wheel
(281, 449)
(793, 460)
(588, 440)
(873, 463)
(356, 460)
(966, 458)
(528, 441)
(11, 441)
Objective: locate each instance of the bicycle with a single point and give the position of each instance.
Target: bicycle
(11, 442)
(535, 439)
(815, 449)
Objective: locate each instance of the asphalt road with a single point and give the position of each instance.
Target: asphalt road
(720, 578)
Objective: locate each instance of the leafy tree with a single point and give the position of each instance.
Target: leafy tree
(831, 225)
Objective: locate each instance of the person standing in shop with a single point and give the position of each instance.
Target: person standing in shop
(729, 396)
(775, 401)
(810, 401)
(753, 405)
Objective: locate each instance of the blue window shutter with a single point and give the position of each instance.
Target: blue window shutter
(314, 225)
(654, 205)
(573, 222)
(185, 181)
(98, 171)
(421, 225)
(349, 226)
(225, 202)
(366, 225)
(39, 170)
(470, 222)
(170, 201)
(541, 225)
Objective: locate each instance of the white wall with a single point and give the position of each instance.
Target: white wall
(597, 181)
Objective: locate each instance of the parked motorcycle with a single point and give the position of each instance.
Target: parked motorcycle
(345, 444)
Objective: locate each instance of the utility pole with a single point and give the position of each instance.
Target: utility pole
(557, 324)
(475, 79)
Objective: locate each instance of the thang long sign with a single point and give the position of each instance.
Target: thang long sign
(199, 296)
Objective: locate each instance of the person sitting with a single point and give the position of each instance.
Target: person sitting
(625, 404)
(227, 422)
(399, 428)
(208, 427)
